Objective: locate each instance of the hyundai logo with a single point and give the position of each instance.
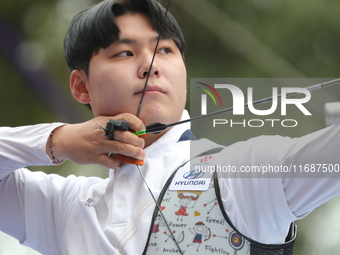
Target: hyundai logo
(193, 174)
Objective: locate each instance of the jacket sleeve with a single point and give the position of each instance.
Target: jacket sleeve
(24, 146)
(21, 147)
(261, 204)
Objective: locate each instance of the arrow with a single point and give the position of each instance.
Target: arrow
(156, 128)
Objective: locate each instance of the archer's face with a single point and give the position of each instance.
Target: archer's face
(117, 74)
(199, 229)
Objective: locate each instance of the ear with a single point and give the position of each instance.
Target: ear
(78, 81)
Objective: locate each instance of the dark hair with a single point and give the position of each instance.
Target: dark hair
(181, 195)
(95, 28)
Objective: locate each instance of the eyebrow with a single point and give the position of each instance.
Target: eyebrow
(132, 41)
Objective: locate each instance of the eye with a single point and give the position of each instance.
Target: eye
(125, 53)
(165, 50)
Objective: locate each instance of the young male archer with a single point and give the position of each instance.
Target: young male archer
(109, 48)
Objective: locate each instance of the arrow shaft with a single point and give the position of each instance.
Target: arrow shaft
(257, 102)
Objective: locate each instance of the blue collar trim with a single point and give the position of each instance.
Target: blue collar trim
(187, 135)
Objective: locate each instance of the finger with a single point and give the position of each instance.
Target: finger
(129, 138)
(108, 161)
(135, 123)
(116, 147)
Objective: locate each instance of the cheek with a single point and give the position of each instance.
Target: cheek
(181, 73)
(106, 94)
(105, 82)
(180, 83)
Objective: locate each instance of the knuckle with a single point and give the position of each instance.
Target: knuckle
(118, 147)
(122, 135)
(142, 143)
(128, 117)
(133, 120)
(99, 133)
(95, 144)
(139, 154)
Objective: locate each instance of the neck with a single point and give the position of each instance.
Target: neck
(151, 138)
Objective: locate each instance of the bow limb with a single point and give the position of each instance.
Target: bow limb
(181, 237)
(209, 235)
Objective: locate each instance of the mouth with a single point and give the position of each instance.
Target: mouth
(151, 90)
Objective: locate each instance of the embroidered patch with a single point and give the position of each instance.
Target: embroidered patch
(90, 202)
(188, 178)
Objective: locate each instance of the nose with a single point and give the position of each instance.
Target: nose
(145, 74)
(147, 67)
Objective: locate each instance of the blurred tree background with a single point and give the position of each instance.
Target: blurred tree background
(235, 39)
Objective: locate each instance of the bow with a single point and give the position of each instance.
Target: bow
(207, 237)
(158, 127)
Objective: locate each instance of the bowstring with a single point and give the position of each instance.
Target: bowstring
(159, 209)
(138, 113)
(152, 60)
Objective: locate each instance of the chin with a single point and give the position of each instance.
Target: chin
(154, 118)
(159, 112)
(149, 121)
